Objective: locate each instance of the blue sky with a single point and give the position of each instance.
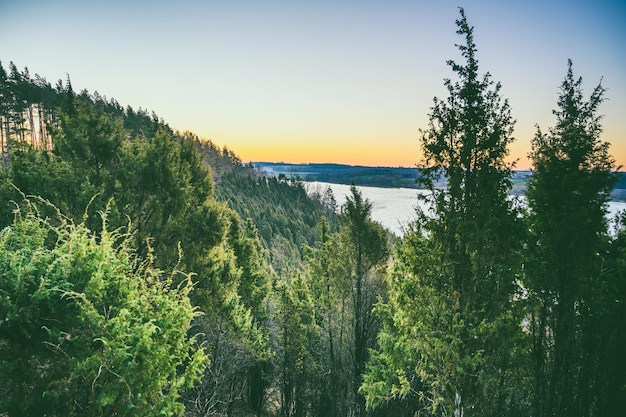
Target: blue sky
(349, 82)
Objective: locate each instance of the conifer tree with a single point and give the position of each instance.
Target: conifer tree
(297, 340)
(451, 324)
(88, 328)
(567, 196)
(608, 392)
(328, 269)
(365, 243)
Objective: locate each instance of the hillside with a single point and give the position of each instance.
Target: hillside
(29, 112)
(170, 278)
(286, 217)
(215, 235)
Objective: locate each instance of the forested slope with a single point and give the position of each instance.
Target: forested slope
(144, 271)
(286, 215)
(81, 160)
(127, 179)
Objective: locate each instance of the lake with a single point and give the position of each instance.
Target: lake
(394, 208)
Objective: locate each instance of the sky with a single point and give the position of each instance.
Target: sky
(321, 81)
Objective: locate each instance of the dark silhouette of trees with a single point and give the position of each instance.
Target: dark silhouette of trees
(567, 196)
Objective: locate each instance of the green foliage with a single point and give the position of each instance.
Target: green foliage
(300, 311)
(451, 325)
(609, 326)
(411, 310)
(567, 196)
(285, 216)
(329, 271)
(345, 270)
(366, 245)
(87, 329)
(156, 182)
(159, 182)
(366, 239)
(254, 285)
(297, 340)
(570, 187)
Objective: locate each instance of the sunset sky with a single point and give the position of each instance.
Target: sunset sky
(320, 81)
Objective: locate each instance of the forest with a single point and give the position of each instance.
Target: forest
(395, 177)
(146, 271)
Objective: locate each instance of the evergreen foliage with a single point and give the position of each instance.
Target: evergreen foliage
(567, 195)
(159, 185)
(331, 289)
(88, 329)
(346, 269)
(608, 393)
(297, 340)
(452, 326)
(286, 216)
(180, 281)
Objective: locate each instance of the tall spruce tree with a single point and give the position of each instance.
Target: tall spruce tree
(567, 196)
(451, 324)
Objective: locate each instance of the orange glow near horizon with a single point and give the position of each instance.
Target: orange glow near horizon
(341, 152)
(333, 82)
(375, 152)
(338, 156)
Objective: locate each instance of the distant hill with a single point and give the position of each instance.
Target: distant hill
(387, 177)
(619, 193)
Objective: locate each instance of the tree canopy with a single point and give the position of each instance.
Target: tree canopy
(88, 328)
(146, 271)
(451, 325)
(567, 195)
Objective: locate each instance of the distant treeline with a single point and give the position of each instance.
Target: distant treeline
(388, 177)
